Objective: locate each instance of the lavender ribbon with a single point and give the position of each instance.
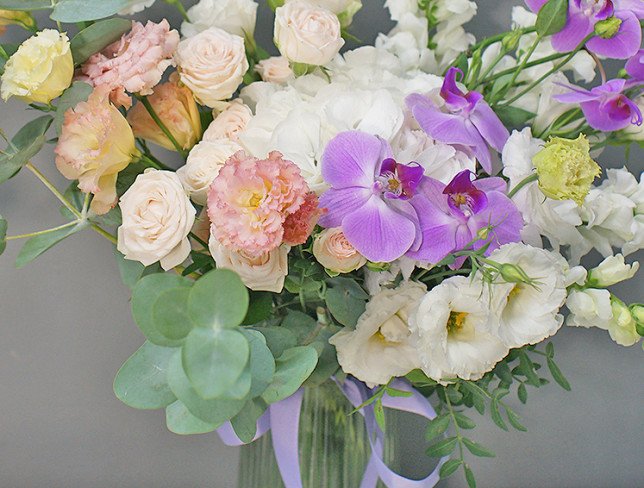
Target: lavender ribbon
(283, 420)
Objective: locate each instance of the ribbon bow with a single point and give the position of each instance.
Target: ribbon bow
(283, 420)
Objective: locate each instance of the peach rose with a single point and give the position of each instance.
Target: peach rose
(275, 70)
(96, 143)
(230, 122)
(335, 253)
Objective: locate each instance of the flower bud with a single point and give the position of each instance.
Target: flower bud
(16, 17)
(511, 40)
(511, 273)
(622, 328)
(607, 29)
(335, 253)
(637, 312)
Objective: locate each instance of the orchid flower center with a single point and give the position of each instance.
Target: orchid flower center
(601, 9)
(463, 196)
(398, 180)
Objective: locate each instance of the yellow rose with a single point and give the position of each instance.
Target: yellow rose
(16, 17)
(40, 70)
(177, 109)
(96, 143)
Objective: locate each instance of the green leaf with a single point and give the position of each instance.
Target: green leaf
(469, 476)
(550, 350)
(437, 426)
(144, 296)
(132, 271)
(558, 375)
(552, 17)
(450, 467)
(25, 4)
(37, 245)
(522, 393)
(218, 299)
(170, 313)
(291, 370)
(27, 142)
(514, 117)
(477, 449)
(513, 418)
(245, 422)
(78, 92)
(214, 412)
(9, 50)
(496, 415)
(478, 398)
(3, 234)
(527, 369)
(278, 339)
(71, 11)
(260, 307)
(463, 421)
(300, 324)
(346, 301)
(142, 380)
(419, 378)
(442, 448)
(379, 414)
(262, 363)
(97, 37)
(180, 421)
(214, 359)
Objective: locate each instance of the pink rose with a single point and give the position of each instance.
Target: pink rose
(276, 69)
(230, 122)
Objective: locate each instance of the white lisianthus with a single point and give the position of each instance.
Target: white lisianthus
(259, 273)
(381, 346)
(528, 314)
(229, 122)
(453, 324)
(234, 16)
(203, 165)
(157, 217)
(612, 270)
(212, 64)
(135, 6)
(306, 33)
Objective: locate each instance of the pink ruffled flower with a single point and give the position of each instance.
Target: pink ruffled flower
(134, 64)
(298, 226)
(250, 200)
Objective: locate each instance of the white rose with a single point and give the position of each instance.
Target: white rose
(234, 16)
(275, 69)
(381, 346)
(452, 325)
(612, 270)
(212, 64)
(157, 217)
(135, 6)
(203, 165)
(335, 253)
(307, 34)
(589, 308)
(528, 314)
(264, 273)
(229, 123)
(344, 9)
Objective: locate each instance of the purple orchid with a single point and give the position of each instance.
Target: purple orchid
(606, 108)
(464, 212)
(465, 120)
(584, 14)
(635, 66)
(370, 196)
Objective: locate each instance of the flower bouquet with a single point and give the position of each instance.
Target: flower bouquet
(346, 236)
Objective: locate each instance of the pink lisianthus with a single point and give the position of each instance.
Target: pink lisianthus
(299, 225)
(250, 200)
(135, 63)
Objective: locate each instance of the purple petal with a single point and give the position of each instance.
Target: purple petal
(410, 177)
(482, 154)
(577, 28)
(352, 159)
(340, 202)
(438, 229)
(491, 184)
(635, 6)
(461, 183)
(635, 65)
(607, 116)
(624, 44)
(378, 232)
(535, 5)
(504, 216)
(490, 126)
(453, 96)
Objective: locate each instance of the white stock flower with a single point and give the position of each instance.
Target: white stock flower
(306, 33)
(134, 6)
(212, 64)
(234, 16)
(612, 270)
(589, 308)
(263, 273)
(452, 325)
(157, 217)
(275, 69)
(622, 329)
(381, 346)
(229, 122)
(203, 165)
(528, 314)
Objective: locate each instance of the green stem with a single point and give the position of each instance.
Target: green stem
(105, 234)
(489, 69)
(198, 239)
(524, 61)
(148, 106)
(153, 163)
(522, 183)
(53, 189)
(531, 64)
(43, 232)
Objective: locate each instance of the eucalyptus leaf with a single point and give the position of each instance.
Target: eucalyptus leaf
(142, 380)
(327, 357)
(262, 362)
(346, 301)
(25, 4)
(218, 300)
(78, 92)
(97, 37)
(214, 359)
(278, 339)
(300, 324)
(259, 308)
(442, 448)
(170, 313)
(245, 422)
(292, 369)
(37, 245)
(179, 420)
(71, 11)
(3, 234)
(132, 271)
(27, 142)
(552, 17)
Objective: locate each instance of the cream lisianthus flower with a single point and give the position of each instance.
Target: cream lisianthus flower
(203, 165)
(266, 272)
(381, 346)
(157, 217)
(40, 70)
(528, 313)
(452, 326)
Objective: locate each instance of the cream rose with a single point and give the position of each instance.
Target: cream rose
(275, 70)
(264, 273)
(344, 9)
(335, 253)
(40, 70)
(157, 217)
(212, 64)
(229, 123)
(234, 16)
(202, 167)
(306, 33)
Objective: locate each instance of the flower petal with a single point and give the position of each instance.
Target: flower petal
(624, 44)
(576, 29)
(490, 126)
(340, 202)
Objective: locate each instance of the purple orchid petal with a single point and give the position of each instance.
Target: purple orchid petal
(576, 95)
(624, 44)
(404, 207)
(378, 232)
(535, 5)
(578, 26)
(491, 184)
(453, 96)
(388, 165)
(635, 66)
(461, 183)
(438, 229)
(635, 6)
(410, 177)
(490, 126)
(503, 216)
(607, 10)
(352, 159)
(340, 202)
(463, 195)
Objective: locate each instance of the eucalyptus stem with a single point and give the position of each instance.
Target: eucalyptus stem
(42, 232)
(522, 183)
(148, 106)
(53, 189)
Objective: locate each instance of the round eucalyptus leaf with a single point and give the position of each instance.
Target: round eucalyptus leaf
(218, 300)
(180, 421)
(292, 369)
(170, 313)
(262, 363)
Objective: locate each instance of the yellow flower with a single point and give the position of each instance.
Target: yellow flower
(40, 70)
(565, 169)
(16, 17)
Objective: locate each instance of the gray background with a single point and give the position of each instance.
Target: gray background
(65, 329)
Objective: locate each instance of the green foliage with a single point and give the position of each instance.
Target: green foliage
(552, 17)
(218, 300)
(81, 10)
(25, 4)
(346, 301)
(37, 245)
(27, 142)
(142, 380)
(514, 117)
(245, 422)
(180, 421)
(261, 362)
(78, 92)
(292, 368)
(3, 234)
(444, 447)
(132, 271)
(96, 37)
(170, 313)
(260, 307)
(278, 339)
(9, 50)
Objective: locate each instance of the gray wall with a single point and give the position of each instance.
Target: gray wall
(65, 328)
